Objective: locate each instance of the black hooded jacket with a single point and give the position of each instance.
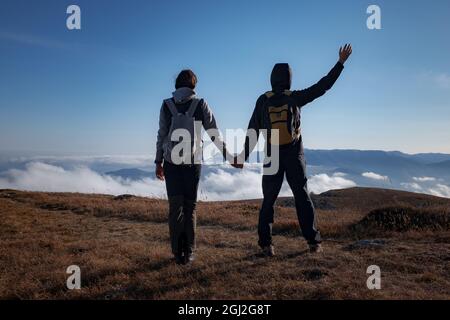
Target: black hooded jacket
(281, 79)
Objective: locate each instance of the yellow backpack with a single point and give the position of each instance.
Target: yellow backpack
(283, 115)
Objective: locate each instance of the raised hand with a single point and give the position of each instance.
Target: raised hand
(345, 52)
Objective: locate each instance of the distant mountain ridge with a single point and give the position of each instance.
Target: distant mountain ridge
(133, 173)
(367, 168)
(356, 162)
(391, 163)
(327, 169)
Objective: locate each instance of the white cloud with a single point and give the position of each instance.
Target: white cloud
(440, 190)
(38, 176)
(224, 185)
(219, 183)
(339, 174)
(412, 186)
(84, 174)
(246, 184)
(322, 182)
(424, 179)
(34, 41)
(375, 176)
(443, 80)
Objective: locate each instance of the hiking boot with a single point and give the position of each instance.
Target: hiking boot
(188, 254)
(315, 248)
(189, 258)
(179, 259)
(268, 251)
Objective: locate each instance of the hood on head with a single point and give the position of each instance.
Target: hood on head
(281, 77)
(182, 95)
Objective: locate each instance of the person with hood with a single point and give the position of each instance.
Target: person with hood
(279, 110)
(183, 111)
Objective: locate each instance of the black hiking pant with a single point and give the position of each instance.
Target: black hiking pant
(292, 163)
(182, 185)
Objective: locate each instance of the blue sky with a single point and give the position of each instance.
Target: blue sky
(99, 90)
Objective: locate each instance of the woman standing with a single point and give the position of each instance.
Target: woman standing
(182, 173)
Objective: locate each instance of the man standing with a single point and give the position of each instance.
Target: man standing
(279, 110)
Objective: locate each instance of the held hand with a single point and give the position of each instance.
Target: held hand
(159, 172)
(237, 165)
(345, 52)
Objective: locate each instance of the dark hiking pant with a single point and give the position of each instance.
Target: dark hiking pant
(292, 163)
(182, 185)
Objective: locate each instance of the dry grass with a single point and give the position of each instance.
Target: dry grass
(121, 246)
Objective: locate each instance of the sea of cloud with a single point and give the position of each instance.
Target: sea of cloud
(219, 182)
(76, 174)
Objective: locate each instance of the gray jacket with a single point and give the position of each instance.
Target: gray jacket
(182, 98)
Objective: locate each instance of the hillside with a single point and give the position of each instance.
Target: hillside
(121, 246)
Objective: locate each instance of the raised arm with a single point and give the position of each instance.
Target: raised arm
(317, 90)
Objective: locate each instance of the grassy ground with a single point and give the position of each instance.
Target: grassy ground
(122, 248)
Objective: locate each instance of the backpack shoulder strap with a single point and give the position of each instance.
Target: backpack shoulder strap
(171, 105)
(192, 107)
(269, 94)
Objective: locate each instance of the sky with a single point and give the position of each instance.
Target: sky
(98, 90)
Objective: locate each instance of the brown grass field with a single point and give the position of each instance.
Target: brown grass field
(121, 245)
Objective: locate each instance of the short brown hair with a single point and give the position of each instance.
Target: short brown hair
(186, 78)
